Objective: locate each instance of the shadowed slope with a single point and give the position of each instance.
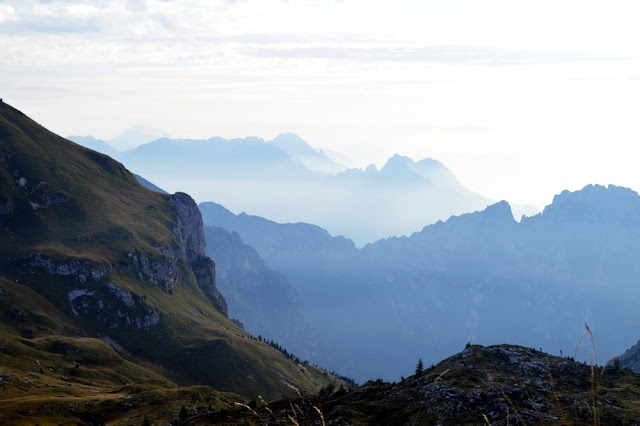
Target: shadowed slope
(123, 264)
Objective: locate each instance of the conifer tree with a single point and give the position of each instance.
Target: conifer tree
(419, 368)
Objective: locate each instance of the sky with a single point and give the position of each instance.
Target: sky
(520, 99)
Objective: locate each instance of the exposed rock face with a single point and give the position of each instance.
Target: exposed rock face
(81, 270)
(190, 230)
(190, 247)
(188, 227)
(113, 307)
(45, 197)
(41, 195)
(162, 272)
(205, 272)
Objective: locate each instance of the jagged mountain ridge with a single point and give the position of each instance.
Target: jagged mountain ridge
(479, 277)
(121, 264)
(284, 179)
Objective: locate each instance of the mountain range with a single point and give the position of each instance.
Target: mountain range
(112, 311)
(480, 277)
(289, 181)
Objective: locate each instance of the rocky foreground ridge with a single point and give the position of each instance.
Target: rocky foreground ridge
(496, 385)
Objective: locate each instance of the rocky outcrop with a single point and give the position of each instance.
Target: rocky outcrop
(43, 196)
(205, 272)
(113, 307)
(162, 272)
(191, 247)
(40, 194)
(188, 227)
(80, 270)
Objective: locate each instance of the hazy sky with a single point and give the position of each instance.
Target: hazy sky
(521, 99)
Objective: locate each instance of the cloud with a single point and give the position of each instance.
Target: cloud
(451, 54)
(115, 18)
(7, 13)
(159, 31)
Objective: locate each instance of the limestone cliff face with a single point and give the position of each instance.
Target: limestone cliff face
(188, 227)
(190, 232)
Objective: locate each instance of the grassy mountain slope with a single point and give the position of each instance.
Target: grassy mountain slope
(88, 256)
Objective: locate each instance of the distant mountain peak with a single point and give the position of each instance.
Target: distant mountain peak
(94, 144)
(135, 136)
(401, 168)
(294, 144)
(398, 159)
(429, 163)
(501, 209)
(299, 149)
(494, 214)
(594, 203)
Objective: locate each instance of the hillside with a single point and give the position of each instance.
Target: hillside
(496, 385)
(106, 283)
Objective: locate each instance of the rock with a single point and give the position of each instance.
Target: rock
(113, 307)
(205, 271)
(189, 228)
(115, 345)
(162, 272)
(190, 246)
(80, 270)
(121, 294)
(45, 197)
(74, 294)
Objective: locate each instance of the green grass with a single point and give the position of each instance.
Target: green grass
(107, 215)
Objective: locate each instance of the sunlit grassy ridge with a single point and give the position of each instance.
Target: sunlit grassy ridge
(68, 202)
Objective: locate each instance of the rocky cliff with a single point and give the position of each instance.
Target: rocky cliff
(190, 232)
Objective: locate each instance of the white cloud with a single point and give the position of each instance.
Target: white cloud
(492, 88)
(7, 13)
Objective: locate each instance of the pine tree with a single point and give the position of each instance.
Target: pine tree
(419, 368)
